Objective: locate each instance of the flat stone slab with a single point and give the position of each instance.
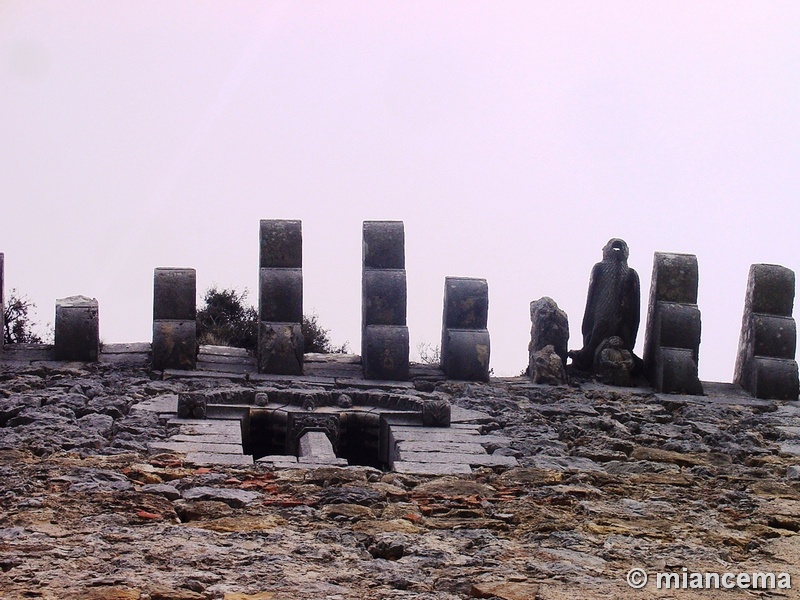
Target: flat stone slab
(474, 460)
(457, 447)
(793, 449)
(227, 428)
(206, 438)
(443, 435)
(317, 461)
(425, 468)
(278, 458)
(325, 381)
(206, 459)
(207, 367)
(791, 431)
(175, 374)
(159, 404)
(229, 448)
(315, 445)
(233, 497)
(466, 415)
(376, 384)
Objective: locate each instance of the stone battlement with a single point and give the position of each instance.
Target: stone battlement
(765, 366)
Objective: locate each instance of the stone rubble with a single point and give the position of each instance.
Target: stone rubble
(94, 505)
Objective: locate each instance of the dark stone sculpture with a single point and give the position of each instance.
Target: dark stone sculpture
(612, 306)
(549, 327)
(546, 366)
(192, 405)
(614, 362)
(436, 413)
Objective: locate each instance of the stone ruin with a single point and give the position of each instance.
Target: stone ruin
(765, 365)
(280, 297)
(300, 410)
(384, 334)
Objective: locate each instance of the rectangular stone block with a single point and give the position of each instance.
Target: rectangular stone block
(186, 447)
(675, 278)
(77, 329)
(466, 303)
(673, 323)
(384, 245)
(474, 460)
(281, 295)
(281, 244)
(772, 336)
(174, 345)
(384, 352)
(209, 458)
(770, 290)
(174, 294)
(465, 354)
(774, 378)
(315, 444)
(678, 326)
(425, 468)
(765, 363)
(676, 372)
(280, 348)
(383, 297)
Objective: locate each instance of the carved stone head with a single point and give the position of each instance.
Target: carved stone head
(615, 342)
(616, 250)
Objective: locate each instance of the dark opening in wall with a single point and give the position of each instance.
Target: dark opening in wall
(356, 436)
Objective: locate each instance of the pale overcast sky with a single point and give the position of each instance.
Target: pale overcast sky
(512, 138)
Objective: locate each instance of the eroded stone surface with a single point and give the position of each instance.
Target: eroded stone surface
(609, 478)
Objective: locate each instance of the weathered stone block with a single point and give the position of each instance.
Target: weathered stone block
(192, 405)
(672, 339)
(677, 372)
(300, 423)
(465, 354)
(281, 295)
(774, 337)
(384, 352)
(547, 367)
(174, 294)
(770, 290)
(765, 364)
(774, 378)
(280, 348)
(174, 344)
(281, 244)
(436, 413)
(466, 303)
(383, 297)
(677, 326)
(384, 245)
(77, 329)
(315, 444)
(549, 327)
(675, 277)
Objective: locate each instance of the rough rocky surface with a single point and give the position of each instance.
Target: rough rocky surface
(610, 479)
